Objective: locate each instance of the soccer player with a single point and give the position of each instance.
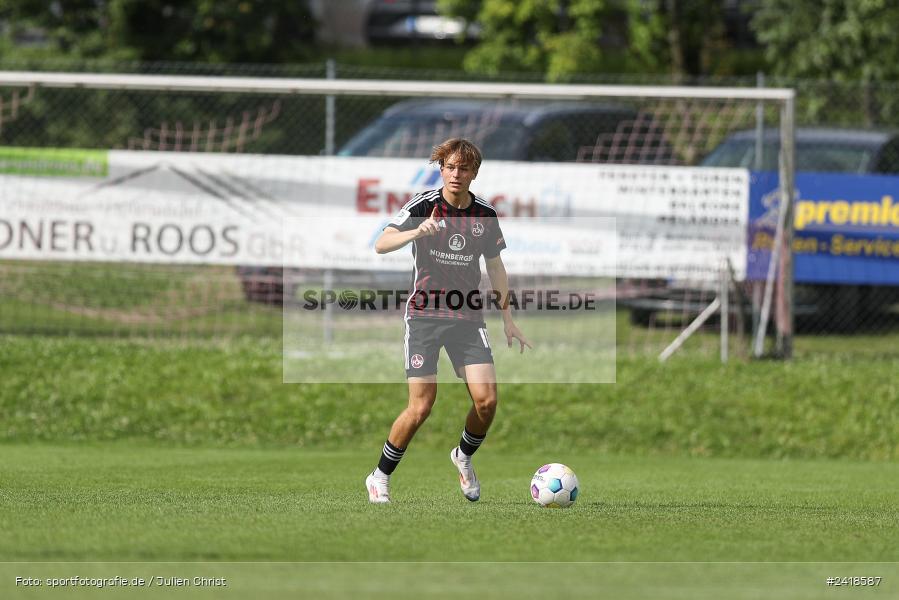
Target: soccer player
(450, 229)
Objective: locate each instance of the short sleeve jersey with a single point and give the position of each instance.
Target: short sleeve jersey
(447, 265)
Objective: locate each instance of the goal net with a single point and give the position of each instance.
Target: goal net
(211, 206)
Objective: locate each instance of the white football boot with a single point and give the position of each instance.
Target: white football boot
(468, 481)
(378, 489)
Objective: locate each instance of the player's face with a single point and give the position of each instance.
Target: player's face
(457, 174)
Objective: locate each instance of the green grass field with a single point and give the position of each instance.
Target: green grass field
(120, 502)
(184, 454)
(230, 394)
(125, 502)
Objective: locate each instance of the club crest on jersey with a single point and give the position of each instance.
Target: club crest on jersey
(456, 242)
(417, 361)
(477, 229)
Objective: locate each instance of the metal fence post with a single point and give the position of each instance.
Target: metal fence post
(784, 343)
(759, 126)
(725, 308)
(330, 109)
(757, 166)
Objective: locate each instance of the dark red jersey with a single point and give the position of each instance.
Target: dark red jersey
(448, 264)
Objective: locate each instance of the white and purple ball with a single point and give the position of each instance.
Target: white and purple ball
(554, 486)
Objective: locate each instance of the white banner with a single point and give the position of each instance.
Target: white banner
(161, 207)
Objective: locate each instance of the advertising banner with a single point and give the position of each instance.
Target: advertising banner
(846, 228)
(672, 222)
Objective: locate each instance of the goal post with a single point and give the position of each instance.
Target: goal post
(381, 87)
(260, 149)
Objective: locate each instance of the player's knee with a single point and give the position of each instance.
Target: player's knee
(419, 413)
(485, 403)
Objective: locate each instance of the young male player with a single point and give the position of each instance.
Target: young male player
(450, 228)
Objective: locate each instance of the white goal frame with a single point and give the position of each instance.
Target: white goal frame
(781, 264)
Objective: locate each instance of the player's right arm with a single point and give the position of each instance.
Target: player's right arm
(394, 238)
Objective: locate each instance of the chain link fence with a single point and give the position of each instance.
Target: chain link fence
(846, 247)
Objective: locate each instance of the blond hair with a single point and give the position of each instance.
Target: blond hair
(467, 151)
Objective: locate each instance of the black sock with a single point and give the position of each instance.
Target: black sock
(470, 442)
(390, 458)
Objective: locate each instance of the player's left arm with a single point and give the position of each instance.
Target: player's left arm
(499, 280)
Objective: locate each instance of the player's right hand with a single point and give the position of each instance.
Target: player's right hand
(430, 225)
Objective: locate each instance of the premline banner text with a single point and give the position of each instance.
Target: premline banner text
(846, 228)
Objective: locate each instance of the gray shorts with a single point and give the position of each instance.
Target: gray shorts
(466, 343)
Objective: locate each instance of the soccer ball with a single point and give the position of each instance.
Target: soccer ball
(554, 486)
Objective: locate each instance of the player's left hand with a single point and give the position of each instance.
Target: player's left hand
(513, 332)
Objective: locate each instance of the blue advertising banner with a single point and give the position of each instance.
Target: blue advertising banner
(846, 227)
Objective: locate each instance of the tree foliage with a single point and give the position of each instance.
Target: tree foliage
(842, 40)
(556, 37)
(561, 37)
(684, 37)
(152, 30)
(847, 41)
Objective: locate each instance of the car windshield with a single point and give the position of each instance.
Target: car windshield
(416, 136)
(822, 157)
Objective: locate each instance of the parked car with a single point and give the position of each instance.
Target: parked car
(526, 130)
(817, 150)
(821, 150)
(401, 21)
